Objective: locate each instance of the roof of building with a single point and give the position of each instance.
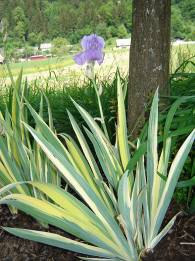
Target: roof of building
(1, 58)
(45, 46)
(123, 42)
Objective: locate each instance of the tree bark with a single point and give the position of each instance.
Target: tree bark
(149, 57)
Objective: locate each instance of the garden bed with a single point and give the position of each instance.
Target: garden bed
(175, 246)
(179, 244)
(16, 249)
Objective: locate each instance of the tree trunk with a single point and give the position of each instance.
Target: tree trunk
(149, 57)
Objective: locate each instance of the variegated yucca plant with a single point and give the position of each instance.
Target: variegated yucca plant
(21, 159)
(122, 198)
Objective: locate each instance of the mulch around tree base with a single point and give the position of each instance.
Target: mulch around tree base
(178, 245)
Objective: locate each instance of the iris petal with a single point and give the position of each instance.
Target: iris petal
(84, 42)
(100, 61)
(92, 49)
(93, 55)
(101, 42)
(92, 41)
(80, 58)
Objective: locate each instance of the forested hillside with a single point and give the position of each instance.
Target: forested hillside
(34, 21)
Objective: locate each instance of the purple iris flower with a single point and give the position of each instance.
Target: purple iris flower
(92, 50)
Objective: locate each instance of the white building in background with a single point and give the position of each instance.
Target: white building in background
(181, 42)
(123, 43)
(45, 47)
(1, 59)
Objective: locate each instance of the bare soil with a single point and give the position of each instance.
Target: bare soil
(178, 245)
(16, 249)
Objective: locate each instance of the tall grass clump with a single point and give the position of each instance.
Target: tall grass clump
(180, 107)
(180, 54)
(122, 196)
(59, 94)
(21, 159)
(183, 96)
(182, 83)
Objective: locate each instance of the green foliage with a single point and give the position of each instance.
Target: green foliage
(28, 51)
(60, 46)
(183, 16)
(103, 30)
(183, 99)
(73, 19)
(59, 93)
(35, 39)
(19, 20)
(21, 159)
(178, 28)
(185, 120)
(122, 201)
(122, 31)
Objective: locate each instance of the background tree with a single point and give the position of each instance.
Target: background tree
(122, 31)
(149, 57)
(35, 39)
(73, 19)
(60, 46)
(20, 27)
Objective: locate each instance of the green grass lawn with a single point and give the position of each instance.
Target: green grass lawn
(36, 66)
(179, 54)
